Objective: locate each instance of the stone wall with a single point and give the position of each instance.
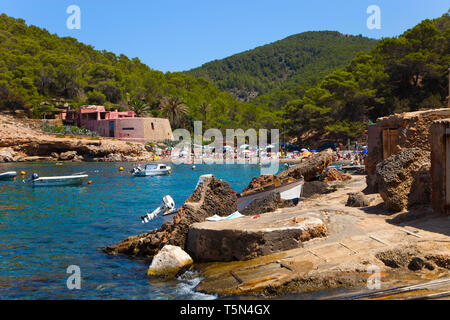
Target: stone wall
(133, 129)
(407, 130)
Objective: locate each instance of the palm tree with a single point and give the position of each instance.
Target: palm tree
(140, 107)
(174, 109)
(204, 108)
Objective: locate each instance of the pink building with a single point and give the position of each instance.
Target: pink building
(120, 125)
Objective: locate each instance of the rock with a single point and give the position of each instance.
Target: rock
(333, 174)
(7, 155)
(261, 181)
(114, 157)
(357, 199)
(54, 155)
(312, 188)
(268, 203)
(212, 196)
(403, 179)
(69, 155)
(169, 261)
(247, 238)
(309, 168)
(394, 258)
(416, 264)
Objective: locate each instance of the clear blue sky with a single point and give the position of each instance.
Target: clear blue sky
(176, 35)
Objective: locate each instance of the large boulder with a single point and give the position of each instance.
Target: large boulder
(212, 196)
(69, 155)
(313, 188)
(169, 262)
(404, 180)
(309, 168)
(358, 199)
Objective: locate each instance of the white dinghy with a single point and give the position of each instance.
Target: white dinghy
(75, 179)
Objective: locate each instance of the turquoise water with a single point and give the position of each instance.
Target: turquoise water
(46, 229)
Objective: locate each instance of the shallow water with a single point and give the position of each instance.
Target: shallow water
(46, 229)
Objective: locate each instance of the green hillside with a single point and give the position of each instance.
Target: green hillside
(36, 66)
(295, 60)
(405, 73)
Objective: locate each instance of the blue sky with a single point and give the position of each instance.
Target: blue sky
(176, 35)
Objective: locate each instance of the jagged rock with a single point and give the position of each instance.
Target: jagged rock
(403, 179)
(169, 261)
(333, 174)
(309, 168)
(268, 203)
(312, 188)
(357, 199)
(416, 264)
(211, 197)
(69, 155)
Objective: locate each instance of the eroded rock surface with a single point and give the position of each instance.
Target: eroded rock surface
(404, 180)
(333, 174)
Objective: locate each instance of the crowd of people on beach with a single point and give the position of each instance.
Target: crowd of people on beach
(356, 154)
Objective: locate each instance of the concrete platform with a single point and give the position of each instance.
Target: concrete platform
(250, 237)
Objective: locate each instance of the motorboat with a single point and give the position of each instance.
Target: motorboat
(167, 207)
(6, 176)
(288, 189)
(75, 179)
(151, 170)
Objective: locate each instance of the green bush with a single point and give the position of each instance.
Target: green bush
(67, 130)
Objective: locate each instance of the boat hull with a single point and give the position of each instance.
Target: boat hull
(58, 181)
(151, 173)
(6, 176)
(290, 191)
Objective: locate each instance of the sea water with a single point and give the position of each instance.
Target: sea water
(44, 230)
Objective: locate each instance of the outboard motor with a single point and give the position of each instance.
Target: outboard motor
(167, 206)
(34, 176)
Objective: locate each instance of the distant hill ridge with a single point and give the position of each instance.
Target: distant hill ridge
(297, 59)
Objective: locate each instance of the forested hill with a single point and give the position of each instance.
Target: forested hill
(37, 67)
(295, 60)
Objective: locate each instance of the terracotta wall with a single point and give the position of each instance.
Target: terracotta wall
(133, 129)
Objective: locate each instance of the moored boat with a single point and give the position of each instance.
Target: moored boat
(151, 170)
(75, 179)
(288, 191)
(10, 175)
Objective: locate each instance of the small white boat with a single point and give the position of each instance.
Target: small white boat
(151, 170)
(5, 176)
(289, 191)
(71, 180)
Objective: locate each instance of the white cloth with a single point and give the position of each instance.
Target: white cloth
(234, 215)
